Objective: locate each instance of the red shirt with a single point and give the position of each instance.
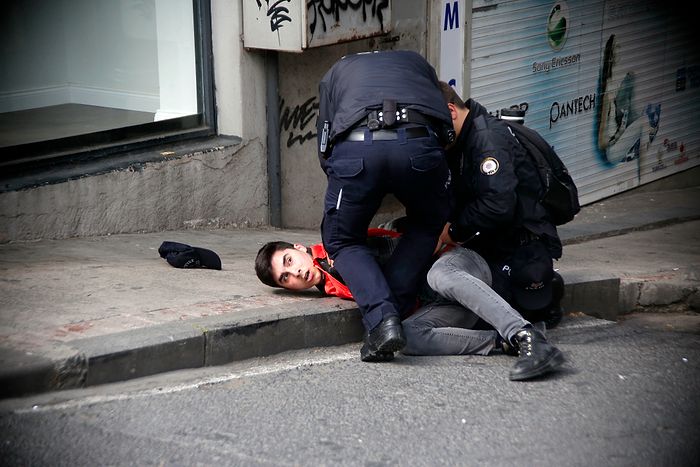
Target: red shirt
(331, 285)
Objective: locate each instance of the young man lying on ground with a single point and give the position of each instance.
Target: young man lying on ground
(454, 305)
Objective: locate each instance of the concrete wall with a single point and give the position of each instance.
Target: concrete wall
(218, 188)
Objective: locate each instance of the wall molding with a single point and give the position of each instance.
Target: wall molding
(78, 94)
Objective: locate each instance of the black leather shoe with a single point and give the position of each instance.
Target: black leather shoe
(367, 355)
(537, 356)
(383, 341)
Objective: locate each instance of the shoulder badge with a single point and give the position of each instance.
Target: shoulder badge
(489, 166)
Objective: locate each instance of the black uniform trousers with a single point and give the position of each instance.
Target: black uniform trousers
(360, 174)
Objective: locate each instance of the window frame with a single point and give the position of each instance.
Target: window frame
(34, 157)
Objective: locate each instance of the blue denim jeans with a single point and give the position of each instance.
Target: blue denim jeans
(360, 174)
(462, 279)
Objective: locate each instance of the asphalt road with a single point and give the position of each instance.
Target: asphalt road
(627, 397)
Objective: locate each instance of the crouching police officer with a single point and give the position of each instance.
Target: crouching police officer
(382, 128)
(497, 213)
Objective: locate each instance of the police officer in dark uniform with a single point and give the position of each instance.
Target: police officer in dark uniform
(382, 128)
(496, 210)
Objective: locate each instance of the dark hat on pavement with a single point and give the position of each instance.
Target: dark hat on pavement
(531, 276)
(180, 255)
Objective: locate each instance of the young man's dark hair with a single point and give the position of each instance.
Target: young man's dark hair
(263, 261)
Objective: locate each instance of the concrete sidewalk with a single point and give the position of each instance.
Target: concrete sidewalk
(87, 311)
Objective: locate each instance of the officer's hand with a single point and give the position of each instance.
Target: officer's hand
(444, 239)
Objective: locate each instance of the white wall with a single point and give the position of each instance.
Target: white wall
(112, 45)
(239, 75)
(177, 70)
(98, 52)
(32, 52)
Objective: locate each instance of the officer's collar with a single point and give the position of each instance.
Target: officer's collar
(468, 122)
(471, 115)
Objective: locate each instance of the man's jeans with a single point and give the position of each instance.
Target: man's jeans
(445, 327)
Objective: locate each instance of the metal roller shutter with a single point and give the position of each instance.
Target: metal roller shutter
(614, 86)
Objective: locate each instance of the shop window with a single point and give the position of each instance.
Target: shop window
(85, 79)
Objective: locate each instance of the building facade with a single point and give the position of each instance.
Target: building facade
(147, 115)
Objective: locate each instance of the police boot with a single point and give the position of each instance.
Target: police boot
(537, 356)
(553, 316)
(385, 339)
(368, 355)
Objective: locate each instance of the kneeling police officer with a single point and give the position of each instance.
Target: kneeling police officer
(382, 128)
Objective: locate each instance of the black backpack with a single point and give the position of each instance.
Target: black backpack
(560, 196)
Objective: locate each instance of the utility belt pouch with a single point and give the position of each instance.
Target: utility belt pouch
(374, 120)
(389, 112)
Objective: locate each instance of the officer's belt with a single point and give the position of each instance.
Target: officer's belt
(358, 134)
(375, 119)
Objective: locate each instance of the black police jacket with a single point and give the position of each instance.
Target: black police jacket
(496, 188)
(359, 83)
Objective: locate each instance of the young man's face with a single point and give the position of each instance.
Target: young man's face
(294, 269)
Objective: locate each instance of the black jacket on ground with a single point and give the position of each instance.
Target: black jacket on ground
(496, 189)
